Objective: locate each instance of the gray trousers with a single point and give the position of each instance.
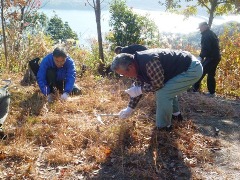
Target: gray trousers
(4, 104)
(167, 101)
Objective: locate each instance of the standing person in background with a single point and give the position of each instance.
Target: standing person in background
(210, 57)
(132, 49)
(163, 71)
(57, 72)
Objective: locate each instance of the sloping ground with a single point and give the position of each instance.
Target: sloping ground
(222, 115)
(65, 140)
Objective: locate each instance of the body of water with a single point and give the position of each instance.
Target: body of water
(84, 23)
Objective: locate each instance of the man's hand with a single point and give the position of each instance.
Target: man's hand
(125, 113)
(134, 91)
(64, 96)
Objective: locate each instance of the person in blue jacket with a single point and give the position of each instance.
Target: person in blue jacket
(57, 72)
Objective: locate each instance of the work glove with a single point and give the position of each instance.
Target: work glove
(64, 96)
(125, 113)
(199, 58)
(134, 91)
(50, 98)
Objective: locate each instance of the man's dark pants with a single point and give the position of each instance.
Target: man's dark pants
(58, 85)
(209, 68)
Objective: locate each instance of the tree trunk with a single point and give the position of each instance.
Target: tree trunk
(211, 13)
(97, 10)
(4, 35)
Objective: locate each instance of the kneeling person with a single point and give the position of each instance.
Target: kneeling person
(57, 72)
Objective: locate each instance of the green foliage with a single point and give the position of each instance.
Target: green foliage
(228, 74)
(37, 22)
(68, 33)
(59, 30)
(128, 27)
(190, 7)
(225, 8)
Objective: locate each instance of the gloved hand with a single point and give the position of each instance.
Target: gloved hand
(134, 91)
(125, 113)
(50, 98)
(199, 58)
(64, 96)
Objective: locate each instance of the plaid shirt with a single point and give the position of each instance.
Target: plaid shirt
(155, 73)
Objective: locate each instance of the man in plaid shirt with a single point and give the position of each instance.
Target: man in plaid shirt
(163, 71)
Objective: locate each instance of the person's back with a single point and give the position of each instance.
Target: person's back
(210, 45)
(173, 62)
(131, 49)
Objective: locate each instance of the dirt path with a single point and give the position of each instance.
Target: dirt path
(223, 126)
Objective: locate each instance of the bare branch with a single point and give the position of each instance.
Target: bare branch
(90, 4)
(203, 4)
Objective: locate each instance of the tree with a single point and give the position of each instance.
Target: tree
(68, 33)
(214, 7)
(96, 5)
(13, 15)
(59, 30)
(4, 33)
(37, 22)
(129, 27)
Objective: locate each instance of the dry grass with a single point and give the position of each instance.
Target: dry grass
(65, 140)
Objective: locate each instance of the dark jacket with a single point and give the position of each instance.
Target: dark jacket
(66, 73)
(210, 46)
(173, 62)
(132, 49)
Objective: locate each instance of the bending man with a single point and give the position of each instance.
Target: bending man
(163, 71)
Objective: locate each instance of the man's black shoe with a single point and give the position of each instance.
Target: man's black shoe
(191, 89)
(1, 132)
(178, 118)
(168, 128)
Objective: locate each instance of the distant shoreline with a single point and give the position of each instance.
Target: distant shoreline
(77, 5)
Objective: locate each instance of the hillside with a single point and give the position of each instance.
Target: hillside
(66, 140)
(193, 39)
(82, 5)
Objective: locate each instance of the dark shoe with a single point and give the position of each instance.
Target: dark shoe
(208, 94)
(76, 90)
(1, 132)
(168, 128)
(192, 90)
(178, 118)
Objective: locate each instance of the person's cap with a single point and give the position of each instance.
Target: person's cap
(202, 24)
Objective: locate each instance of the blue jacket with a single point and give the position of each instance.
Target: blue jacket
(66, 73)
